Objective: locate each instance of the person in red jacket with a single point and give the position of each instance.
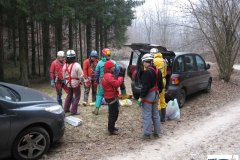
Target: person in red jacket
(89, 66)
(110, 85)
(56, 76)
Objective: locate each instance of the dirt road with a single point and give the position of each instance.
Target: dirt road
(218, 133)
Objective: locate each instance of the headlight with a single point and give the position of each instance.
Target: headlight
(57, 109)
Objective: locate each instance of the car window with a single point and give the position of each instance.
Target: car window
(7, 94)
(135, 57)
(200, 63)
(179, 65)
(189, 63)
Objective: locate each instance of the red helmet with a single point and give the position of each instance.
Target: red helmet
(106, 52)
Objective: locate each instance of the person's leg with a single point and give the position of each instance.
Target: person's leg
(86, 94)
(156, 120)
(112, 116)
(94, 92)
(99, 99)
(147, 119)
(59, 92)
(68, 100)
(77, 93)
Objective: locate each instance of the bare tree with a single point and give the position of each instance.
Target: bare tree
(219, 22)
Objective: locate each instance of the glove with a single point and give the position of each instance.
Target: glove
(122, 72)
(52, 83)
(139, 102)
(87, 83)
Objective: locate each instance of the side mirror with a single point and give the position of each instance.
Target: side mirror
(208, 66)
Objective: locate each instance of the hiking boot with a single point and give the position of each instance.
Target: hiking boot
(156, 135)
(77, 113)
(113, 133)
(146, 137)
(163, 114)
(84, 103)
(67, 111)
(95, 111)
(116, 129)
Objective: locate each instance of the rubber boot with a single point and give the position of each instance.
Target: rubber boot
(163, 114)
(95, 111)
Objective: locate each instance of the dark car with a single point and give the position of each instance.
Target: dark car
(29, 122)
(187, 73)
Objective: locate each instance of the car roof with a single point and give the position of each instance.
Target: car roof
(145, 47)
(184, 53)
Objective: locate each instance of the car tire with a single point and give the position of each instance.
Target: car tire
(209, 86)
(31, 144)
(181, 97)
(136, 96)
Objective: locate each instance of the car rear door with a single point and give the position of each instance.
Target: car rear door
(4, 128)
(203, 74)
(131, 70)
(190, 74)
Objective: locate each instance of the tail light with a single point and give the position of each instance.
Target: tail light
(175, 79)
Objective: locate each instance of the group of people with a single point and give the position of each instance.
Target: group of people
(67, 74)
(105, 77)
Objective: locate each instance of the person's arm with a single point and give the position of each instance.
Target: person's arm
(52, 69)
(160, 81)
(52, 75)
(115, 82)
(145, 80)
(85, 68)
(97, 73)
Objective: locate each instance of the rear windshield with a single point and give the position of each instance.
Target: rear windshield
(8, 94)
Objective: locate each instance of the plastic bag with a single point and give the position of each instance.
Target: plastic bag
(125, 102)
(172, 110)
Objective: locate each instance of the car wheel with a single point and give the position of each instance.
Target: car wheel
(31, 144)
(181, 97)
(136, 96)
(209, 87)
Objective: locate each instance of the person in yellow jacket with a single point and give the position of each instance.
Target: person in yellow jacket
(160, 63)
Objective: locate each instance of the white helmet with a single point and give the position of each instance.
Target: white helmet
(71, 53)
(147, 57)
(153, 51)
(60, 54)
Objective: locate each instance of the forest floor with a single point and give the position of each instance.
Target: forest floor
(192, 137)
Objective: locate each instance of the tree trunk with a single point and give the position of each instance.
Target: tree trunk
(58, 34)
(14, 44)
(70, 36)
(80, 39)
(89, 35)
(101, 37)
(76, 41)
(22, 51)
(33, 47)
(46, 48)
(1, 48)
(105, 37)
(26, 44)
(97, 35)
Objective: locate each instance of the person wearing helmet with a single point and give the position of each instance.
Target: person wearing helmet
(106, 53)
(89, 66)
(151, 81)
(161, 64)
(56, 76)
(110, 84)
(153, 51)
(72, 73)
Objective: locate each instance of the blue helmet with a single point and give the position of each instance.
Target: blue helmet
(93, 53)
